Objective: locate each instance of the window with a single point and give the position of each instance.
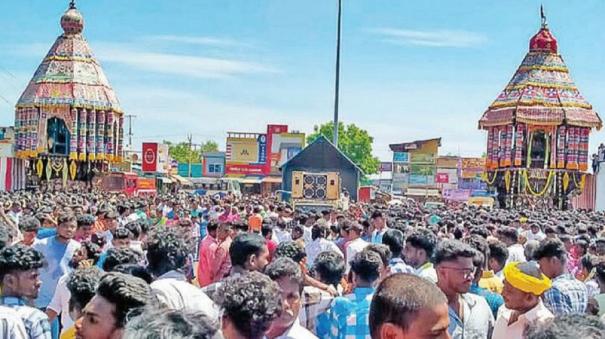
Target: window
(57, 137)
(538, 149)
(214, 168)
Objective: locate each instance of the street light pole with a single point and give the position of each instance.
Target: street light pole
(337, 82)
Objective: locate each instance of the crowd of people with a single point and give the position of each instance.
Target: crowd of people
(100, 266)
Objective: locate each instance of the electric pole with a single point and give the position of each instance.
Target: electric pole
(189, 139)
(337, 82)
(130, 117)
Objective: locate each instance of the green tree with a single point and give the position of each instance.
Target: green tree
(182, 153)
(209, 146)
(353, 141)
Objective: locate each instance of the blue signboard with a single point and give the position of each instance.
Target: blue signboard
(262, 149)
(401, 157)
(422, 179)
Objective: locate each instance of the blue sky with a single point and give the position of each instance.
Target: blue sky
(410, 69)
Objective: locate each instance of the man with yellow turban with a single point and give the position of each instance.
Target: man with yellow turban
(524, 284)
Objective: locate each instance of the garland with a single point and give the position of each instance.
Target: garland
(582, 182)
(546, 186)
(541, 104)
(486, 178)
(544, 68)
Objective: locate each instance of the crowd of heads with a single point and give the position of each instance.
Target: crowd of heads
(124, 247)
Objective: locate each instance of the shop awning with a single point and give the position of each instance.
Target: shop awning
(249, 180)
(422, 192)
(272, 180)
(182, 181)
(205, 180)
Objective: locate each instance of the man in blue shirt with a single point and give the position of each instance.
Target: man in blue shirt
(58, 252)
(48, 224)
(348, 316)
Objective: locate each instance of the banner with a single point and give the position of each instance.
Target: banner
(423, 158)
(452, 174)
(386, 167)
(423, 169)
(242, 150)
(421, 179)
(456, 194)
(163, 162)
(442, 178)
(262, 149)
(150, 157)
(252, 169)
(401, 157)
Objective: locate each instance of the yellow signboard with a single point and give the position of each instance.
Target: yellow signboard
(242, 150)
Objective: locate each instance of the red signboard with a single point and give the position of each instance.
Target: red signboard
(442, 178)
(245, 169)
(150, 157)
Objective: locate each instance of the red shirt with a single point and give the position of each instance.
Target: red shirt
(272, 246)
(204, 266)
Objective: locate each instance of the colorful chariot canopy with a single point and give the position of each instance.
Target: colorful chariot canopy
(70, 74)
(69, 108)
(541, 92)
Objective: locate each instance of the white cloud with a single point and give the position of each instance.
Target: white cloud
(435, 38)
(197, 40)
(177, 64)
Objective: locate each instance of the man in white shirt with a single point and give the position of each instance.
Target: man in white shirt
(319, 244)
(354, 242)
(534, 233)
(524, 285)
(167, 257)
(15, 212)
(470, 315)
(509, 236)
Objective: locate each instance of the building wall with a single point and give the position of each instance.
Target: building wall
(214, 166)
(415, 167)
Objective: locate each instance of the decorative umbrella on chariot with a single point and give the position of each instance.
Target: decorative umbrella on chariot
(538, 130)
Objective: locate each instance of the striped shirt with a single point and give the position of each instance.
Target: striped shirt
(11, 325)
(348, 317)
(566, 296)
(35, 321)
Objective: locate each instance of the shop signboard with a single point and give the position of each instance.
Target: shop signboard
(386, 166)
(246, 155)
(244, 169)
(415, 179)
(422, 158)
(456, 194)
(401, 157)
(417, 169)
(442, 178)
(150, 157)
